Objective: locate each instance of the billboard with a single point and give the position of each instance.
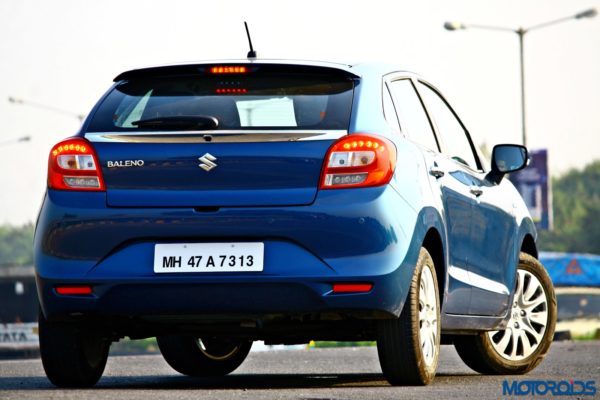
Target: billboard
(572, 269)
(18, 336)
(533, 183)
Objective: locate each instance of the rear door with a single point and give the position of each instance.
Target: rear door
(490, 236)
(454, 186)
(220, 135)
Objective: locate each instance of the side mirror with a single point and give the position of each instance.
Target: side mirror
(507, 158)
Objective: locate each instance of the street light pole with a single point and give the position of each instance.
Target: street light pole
(16, 140)
(16, 100)
(521, 32)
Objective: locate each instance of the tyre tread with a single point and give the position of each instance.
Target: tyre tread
(63, 354)
(398, 342)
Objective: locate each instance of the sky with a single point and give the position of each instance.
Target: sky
(65, 53)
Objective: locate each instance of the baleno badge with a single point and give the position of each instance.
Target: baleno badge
(206, 162)
(125, 163)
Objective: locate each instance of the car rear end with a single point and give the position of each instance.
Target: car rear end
(227, 197)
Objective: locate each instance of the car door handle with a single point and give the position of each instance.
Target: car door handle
(476, 191)
(436, 171)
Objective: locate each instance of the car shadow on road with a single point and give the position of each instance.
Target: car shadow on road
(231, 382)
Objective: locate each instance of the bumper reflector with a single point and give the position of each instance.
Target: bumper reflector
(73, 290)
(352, 287)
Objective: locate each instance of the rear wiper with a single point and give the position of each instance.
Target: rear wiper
(184, 122)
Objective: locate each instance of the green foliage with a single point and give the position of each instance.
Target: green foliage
(588, 336)
(16, 245)
(326, 344)
(576, 198)
(129, 346)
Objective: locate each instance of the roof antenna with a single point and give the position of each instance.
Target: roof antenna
(251, 53)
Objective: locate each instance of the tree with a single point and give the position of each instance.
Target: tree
(16, 245)
(576, 198)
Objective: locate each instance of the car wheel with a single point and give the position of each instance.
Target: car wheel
(409, 346)
(72, 354)
(523, 344)
(194, 356)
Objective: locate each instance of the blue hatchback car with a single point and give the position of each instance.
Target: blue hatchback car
(214, 204)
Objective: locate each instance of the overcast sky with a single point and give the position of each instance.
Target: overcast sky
(66, 53)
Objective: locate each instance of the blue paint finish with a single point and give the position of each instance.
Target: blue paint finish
(365, 242)
(247, 174)
(458, 298)
(359, 227)
(268, 192)
(493, 259)
(457, 205)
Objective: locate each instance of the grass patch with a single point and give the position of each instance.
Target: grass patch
(326, 344)
(141, 346)
(588, 336)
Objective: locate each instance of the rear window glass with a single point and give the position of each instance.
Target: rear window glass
(259, 99)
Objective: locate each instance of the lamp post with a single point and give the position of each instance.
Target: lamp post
(521, 32)
(16, 100)
(15, 140)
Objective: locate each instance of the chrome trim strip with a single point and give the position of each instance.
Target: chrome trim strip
(478, 281)
(216, 136)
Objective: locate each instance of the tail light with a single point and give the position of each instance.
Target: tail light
(359, 160)
(73, 165)
(231, 90)
(228, 69)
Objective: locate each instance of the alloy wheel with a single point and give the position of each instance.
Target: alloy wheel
(528, 320)
(428, 319)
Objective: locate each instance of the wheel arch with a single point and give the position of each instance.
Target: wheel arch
(528, 245)
(433, 241)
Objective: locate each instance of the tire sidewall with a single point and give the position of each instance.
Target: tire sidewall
(427, 371)
(399, 339)
(72, 355)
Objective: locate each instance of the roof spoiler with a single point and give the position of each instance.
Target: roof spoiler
(204, 68)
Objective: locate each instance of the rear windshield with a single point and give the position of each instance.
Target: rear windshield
(261, 98)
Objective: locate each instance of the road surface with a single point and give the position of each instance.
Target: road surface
(343, 373)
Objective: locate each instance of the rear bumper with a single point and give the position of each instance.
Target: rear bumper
(234, 298)
(345, 236)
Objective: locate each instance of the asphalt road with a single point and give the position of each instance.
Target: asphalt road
(350, 373)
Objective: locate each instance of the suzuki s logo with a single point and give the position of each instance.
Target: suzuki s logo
(206, 162)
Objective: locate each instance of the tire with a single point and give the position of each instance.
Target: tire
(193, 356)
(523, 344)
(409, 346)
(72, 354)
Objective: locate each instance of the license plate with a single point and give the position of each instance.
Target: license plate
(208, 257)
